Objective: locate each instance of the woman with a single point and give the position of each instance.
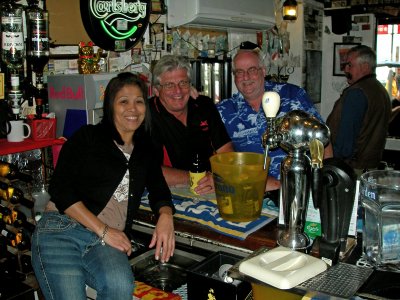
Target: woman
(82, 238)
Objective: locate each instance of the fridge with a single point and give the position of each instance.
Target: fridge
(76, 99)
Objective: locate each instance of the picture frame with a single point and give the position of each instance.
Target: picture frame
(2, 83)
(339, 54)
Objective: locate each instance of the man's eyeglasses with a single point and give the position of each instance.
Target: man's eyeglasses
(169, 86)
(239, 73)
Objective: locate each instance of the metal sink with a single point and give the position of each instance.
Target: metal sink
(166, 276)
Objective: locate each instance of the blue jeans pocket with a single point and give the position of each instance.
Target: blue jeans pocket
(55, 222)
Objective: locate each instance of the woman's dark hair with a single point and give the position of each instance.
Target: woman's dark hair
(113, 87)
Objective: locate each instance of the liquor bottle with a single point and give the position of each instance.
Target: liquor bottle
(196, 172)
(38, 46)
(12, 43)
(5, 232)
(15, 100)
(39, 107)
(41, 197)
(11, 172)
(41, 93)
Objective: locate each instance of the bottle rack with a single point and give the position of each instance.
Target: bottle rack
(16, 262)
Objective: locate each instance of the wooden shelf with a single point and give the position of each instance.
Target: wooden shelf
(28, 144)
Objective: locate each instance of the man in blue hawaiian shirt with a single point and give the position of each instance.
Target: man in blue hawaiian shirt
(244, 117)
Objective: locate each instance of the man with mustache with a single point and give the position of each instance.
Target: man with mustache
(244, 117)
(360, 117)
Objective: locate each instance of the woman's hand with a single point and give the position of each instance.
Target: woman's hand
(164, 235)
(113, 237)
(205, 185)
(117, 239)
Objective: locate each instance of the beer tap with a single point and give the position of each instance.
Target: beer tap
(270, 104)
(296, 132)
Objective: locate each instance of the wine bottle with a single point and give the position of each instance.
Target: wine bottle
(3, 248)
(15, 196)
(5, 211)
(20, 220)
(5, 232)
(5, 214)
(11, 172)
(21, 240)
(196, 172)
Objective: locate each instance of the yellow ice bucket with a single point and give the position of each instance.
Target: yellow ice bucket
(239, 179)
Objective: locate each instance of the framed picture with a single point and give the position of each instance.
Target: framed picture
(339, 55)
(2, 85)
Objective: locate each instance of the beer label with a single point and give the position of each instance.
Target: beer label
(194, 179)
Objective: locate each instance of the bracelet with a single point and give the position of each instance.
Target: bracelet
(103, 235)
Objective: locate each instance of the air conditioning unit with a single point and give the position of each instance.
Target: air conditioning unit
(246, 14)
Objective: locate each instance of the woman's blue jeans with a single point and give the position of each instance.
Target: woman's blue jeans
(66, 257)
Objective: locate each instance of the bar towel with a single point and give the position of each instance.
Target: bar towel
(203, 210)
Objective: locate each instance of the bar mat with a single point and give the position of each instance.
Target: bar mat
(341, 280)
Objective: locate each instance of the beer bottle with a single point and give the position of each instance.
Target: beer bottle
(11, 172)
(196, 172)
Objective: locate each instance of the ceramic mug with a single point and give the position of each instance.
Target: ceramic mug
(16, 133)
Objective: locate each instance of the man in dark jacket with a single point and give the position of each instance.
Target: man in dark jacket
(360, 117)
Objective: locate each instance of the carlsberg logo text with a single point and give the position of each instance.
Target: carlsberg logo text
(101, 9)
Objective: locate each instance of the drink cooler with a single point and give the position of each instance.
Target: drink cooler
(76, 99)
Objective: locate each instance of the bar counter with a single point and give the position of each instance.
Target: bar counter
(264, 237)
(384, 284)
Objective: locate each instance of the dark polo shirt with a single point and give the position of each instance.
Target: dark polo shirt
(204, 133)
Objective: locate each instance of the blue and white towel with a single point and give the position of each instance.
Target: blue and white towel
(204, 210)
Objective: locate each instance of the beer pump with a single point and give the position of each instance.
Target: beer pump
(295, 132)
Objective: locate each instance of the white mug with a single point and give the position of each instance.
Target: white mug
(16, 133)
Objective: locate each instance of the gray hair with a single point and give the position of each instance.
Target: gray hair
(365, 55)
(169, 63)
(256, 51)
